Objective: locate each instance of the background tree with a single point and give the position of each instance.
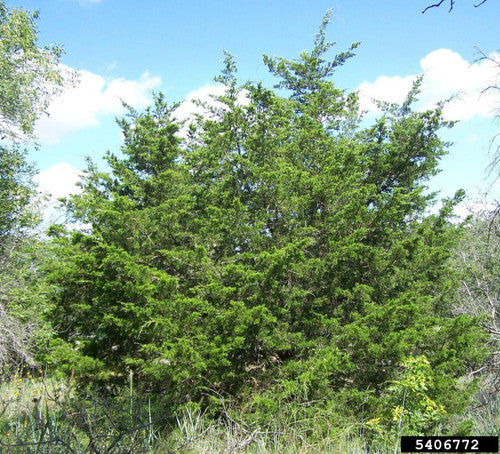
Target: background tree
(29, 77)
(478, 260)
(494, 60)
(17, 216)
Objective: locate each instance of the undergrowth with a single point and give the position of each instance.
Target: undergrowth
(43, 414)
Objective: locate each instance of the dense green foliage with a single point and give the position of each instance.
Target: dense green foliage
(274, 250)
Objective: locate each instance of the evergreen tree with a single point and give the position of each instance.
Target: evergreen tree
(278, 251)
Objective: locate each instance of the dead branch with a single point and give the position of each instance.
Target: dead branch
(436, 5)
(452, 4)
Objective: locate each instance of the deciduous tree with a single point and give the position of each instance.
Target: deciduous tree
(29, 77)
(478, 261)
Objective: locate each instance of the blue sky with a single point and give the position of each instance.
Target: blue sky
(126, 48)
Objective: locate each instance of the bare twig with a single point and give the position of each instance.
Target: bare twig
(436, 5)
(477, 371)
(452, 4)
(15, 339)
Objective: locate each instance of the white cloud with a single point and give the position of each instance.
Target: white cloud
(56, 182)
(59, 180)
(446, 75)
(390, 89)
(199, 101)
(188, 108)
(80, 106)
(205, 94)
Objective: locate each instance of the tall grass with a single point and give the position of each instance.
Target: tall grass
(198, 434)
(40, 414)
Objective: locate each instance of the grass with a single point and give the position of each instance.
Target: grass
(196, 434)
(486, 417)
(40, 414)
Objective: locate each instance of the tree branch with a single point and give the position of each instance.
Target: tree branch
(436, 5)
(452, 4)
